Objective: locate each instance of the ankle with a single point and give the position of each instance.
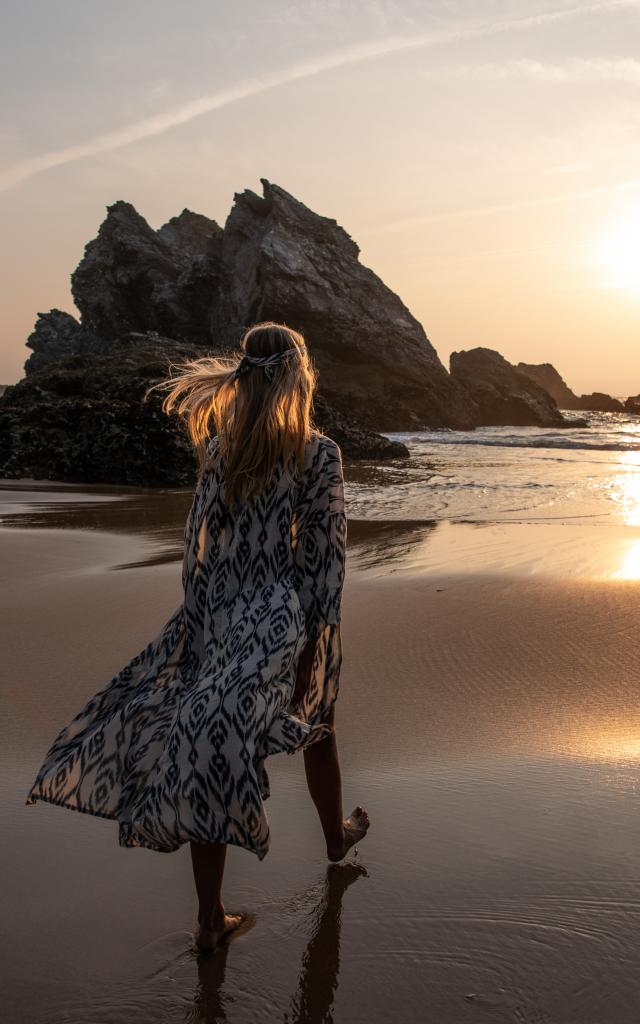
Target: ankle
(335, 847)
(212, 918)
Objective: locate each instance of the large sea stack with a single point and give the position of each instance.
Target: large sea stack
(149, 298)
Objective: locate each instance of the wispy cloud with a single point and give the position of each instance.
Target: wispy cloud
(355, 54)
(630, 185)
(573, 71)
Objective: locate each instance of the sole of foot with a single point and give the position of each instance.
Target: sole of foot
(355, 828)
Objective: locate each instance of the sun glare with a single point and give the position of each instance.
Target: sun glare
(618, 253)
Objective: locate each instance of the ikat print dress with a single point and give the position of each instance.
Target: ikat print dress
(174, 747)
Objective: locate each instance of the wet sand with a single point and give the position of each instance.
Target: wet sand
(489, 721)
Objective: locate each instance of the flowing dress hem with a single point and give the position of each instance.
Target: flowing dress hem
(125, 840)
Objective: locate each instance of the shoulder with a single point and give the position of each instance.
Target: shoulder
(322, 446)
(323, 461)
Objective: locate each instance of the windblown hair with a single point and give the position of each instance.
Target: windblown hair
(261, 415)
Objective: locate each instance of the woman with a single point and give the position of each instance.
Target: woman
(174, 747)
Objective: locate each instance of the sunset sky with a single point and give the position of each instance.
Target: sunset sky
(484, 155)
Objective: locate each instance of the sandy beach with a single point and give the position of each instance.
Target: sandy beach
(488, 721)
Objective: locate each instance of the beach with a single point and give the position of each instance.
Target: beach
(488, 720)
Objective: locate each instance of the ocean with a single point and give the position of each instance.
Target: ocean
(508, 474)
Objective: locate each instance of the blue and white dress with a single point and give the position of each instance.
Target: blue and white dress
(174, 747)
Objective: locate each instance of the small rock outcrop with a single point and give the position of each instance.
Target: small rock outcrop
(502, 395)
(599, 402)
(547, 377)
(632, 405)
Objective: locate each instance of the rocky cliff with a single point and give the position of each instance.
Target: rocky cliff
(502, 395)
(147, 297)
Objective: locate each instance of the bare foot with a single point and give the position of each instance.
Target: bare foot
(354, 828)
(207, 938)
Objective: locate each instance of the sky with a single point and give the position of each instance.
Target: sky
(484, 154)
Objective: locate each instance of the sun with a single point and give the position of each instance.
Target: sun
(618, 254)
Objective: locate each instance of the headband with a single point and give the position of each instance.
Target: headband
(266, 362)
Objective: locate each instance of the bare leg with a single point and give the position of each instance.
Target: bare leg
(207, 860)
(322, 767)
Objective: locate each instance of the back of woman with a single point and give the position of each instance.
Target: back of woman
(174, 747)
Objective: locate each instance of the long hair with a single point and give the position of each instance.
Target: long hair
(261, 414)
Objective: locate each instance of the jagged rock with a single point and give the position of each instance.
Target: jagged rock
(195, 284)
(133, 278)
(275, 259)
(632, 405)
(56, 335)
(376, 363)
(546, 376)
(501, 395)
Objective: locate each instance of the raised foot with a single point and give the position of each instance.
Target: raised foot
(354, 828)
(208, 938)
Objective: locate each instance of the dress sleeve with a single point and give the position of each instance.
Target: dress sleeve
(320, 540)
(320, 533)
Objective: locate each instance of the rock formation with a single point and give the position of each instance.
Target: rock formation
(502, 395)
(599, 402)
(632, 405)
(148, 298)
(547, 377)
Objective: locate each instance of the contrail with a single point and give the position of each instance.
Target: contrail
(355, 54)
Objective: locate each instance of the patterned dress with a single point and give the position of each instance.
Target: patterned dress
(174, 747)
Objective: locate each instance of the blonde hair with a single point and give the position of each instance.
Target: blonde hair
(259, 408)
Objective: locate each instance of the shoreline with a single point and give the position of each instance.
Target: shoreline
(136, 528)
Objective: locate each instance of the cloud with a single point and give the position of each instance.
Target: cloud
(524, 204)
(357, 53)
(574, 71)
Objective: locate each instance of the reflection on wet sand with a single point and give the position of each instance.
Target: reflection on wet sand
(160, 516)
(376, 547)
(312, 1003)
(320, 968)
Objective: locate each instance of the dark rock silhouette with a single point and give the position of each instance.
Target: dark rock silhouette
(632, 405)
(547, 377)
(148, 298)
(375, 361)
(502, 395)
(599, 402)
(84, 419)
(133, 278)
